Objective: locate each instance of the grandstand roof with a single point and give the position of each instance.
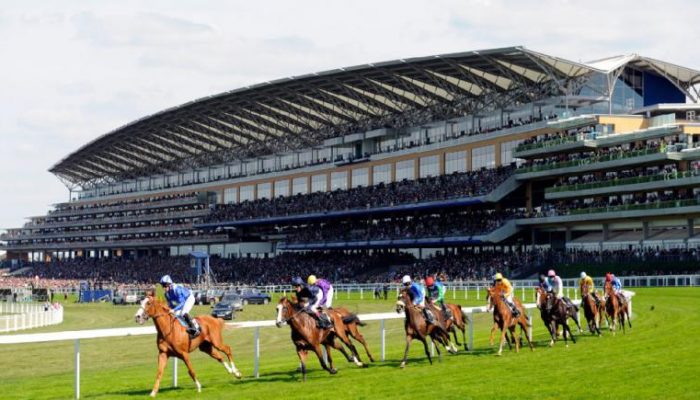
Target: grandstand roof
(300, 112)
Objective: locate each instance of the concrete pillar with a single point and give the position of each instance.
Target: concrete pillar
(528, 196)
(606, 232)
(691, 227)
(568, 234)
(646, 232)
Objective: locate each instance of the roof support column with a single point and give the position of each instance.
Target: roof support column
(606, 232)
(691, 227)
(645, 230)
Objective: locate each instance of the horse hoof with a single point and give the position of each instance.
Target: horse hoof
(153, 394)
(238, 375)
(333, 371)
(402, 365)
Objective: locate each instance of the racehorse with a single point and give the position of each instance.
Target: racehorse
(554, 313)
(174, 341)
(504, 319)
(456, 322)
(418, 328)
(350, 324)
(307, 336)
(592, 310)
(616, 308)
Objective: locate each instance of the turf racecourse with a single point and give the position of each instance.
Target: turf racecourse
(656, 359)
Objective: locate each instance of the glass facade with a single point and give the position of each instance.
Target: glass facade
(360, 177)
(230, 195)
(247, 193)
(282, 188)
(381, 174)
(455, 162)
(319, 183)
(507, 152)
(339, 180)
(300, 185)
(483, 157)
(429, 166)
(405, 170)
(264, 190)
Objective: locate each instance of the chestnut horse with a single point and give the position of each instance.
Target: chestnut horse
(350, 323)
(592, 310)
(307, 336)
(497, 323)
(174, 341)
(555, 316)
(616, 309)
(418, 328)
(506, 321)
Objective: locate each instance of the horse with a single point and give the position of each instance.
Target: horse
(174, 341)
(592, 310)
(456, 322)
(350, 327)
(497, 322)
(418, 328)
(307, 336)
(555, 316)
(506, 321)
(616, 308)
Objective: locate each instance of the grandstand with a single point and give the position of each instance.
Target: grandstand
(502, 150)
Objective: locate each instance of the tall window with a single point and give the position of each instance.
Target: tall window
(429, 166)
(405, 170)
(300, 185)
(455, 162)
(339, 180)
(381, 174)
(483, 157)
(247, 193)
(264, 190)
(507, 152)
(360, 177)
(282, 188)
(319, 183)
(230, 195)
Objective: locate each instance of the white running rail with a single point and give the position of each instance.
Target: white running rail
(19, 316)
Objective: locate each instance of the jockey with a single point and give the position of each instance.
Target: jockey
(415, 291)
(322, 292)
(616, 285)
(435, 293)
(558, 288)
(588, 281)
(180, 300)
(544, 284)
(507, 292)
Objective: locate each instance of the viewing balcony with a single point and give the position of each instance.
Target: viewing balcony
(115, 220)
(126, 207)
(118, 244)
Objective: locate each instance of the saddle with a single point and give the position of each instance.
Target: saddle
(195, 324)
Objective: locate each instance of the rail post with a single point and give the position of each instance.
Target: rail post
(382, 330)
(470, 321)
(174, 372)
(522, 292)
(362, 296)
(454, 292)
(529, 324)
(77, 368)
(466, 292)
(477, 292)
(256, 350)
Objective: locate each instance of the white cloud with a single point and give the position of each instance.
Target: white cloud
(73, 70)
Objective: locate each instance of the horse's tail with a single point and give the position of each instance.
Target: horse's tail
(353, 318)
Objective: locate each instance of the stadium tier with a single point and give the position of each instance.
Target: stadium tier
(459, 154)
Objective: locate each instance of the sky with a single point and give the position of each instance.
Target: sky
(71, 71)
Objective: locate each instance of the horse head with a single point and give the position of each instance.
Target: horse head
(402, 301)
(149, 308)
(541, 297)
(285, 311)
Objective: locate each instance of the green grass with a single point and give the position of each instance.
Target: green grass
(656, 359)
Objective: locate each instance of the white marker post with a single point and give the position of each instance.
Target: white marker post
(256, 350)
(77, 368)
(174, 372)
(383, 338)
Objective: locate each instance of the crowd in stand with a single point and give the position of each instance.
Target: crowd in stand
(568, 207)
(581, 133)
(109, 206)
(669, 171)
(443, 187)
(476, 222)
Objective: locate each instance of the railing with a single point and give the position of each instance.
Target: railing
(18, 316)
(176, 240)
(125, 207)
(586, 161)
(547, 143)
(130, 218)
(636, 207)
(623, 181)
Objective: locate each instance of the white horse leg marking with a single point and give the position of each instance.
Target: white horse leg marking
(153, 393)
(228, 369)
(357, 362)
(199, 386)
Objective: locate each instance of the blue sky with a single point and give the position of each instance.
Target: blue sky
(73, 70)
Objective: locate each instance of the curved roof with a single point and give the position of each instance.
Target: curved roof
(300, 112)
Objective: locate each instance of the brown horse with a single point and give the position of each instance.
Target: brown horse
(418, 328)
(307, 336)
(554, 313)
(616, 308)
(456, 322)
(592, 310)
(350, 323)
(506, 321)
(498, 323)
(174, 341)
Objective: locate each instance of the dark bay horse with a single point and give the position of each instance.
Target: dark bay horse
(504, 319)
(554, 314)
(592, 310)
(307, 336)
(616, 308)
(174, 341)
(418, 328)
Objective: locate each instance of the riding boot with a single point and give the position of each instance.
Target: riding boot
(192, 329)
(446, 312)
(324, 322)
(429, 318)
(514, 309)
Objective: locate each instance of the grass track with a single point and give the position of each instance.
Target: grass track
(656, 359)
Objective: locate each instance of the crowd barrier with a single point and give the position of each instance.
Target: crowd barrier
(76, 336)
(19, 316)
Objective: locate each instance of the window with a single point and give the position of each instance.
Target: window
(230, 195)
(429, 166)
(319, 183)
(300, 185)
(264, 190)
(507, 152)
(360, 177)
(339, 180)
(405, 170)
(381, 174)
(247, 193)
(483, 157)
(456, 162)
(282, 188)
